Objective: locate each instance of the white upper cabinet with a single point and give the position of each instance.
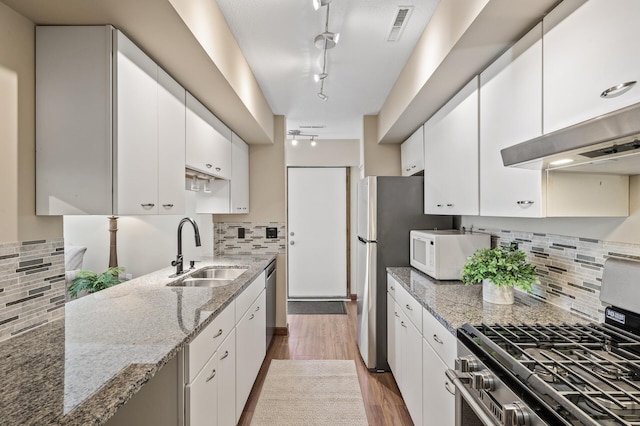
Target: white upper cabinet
(510, 113)
(451, 156)
(208, 141)
(101, 130)
(586, 53)
(412, 153)
(239, 175)
(171, 144)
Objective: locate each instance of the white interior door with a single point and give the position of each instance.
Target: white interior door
(317, 254)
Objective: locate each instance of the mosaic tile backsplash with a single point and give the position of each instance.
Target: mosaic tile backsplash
(255, 241)
(32, 285)
(569, 268)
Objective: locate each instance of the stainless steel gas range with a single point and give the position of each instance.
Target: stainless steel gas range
(558, 374)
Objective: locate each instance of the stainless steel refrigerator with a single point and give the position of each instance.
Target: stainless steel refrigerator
(388, 208)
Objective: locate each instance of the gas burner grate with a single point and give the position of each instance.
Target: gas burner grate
(592, 370)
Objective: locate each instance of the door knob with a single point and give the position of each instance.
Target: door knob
(292, 243)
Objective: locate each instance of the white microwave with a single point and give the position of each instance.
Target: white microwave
(442, 254)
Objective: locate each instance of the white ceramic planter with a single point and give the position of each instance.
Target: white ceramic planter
(499, 295)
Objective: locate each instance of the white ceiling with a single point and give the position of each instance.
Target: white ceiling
(276, 37)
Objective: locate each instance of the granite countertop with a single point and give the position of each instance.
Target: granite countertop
(78, 370)
(454, 304)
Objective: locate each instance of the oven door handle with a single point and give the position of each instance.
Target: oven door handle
(469, 399)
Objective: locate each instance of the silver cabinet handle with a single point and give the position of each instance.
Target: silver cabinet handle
(439, 205)
(292, 243)
(147, 205)
(437, 339)
(218, 169)
(524, 202)
(409, 307)
(408, 170)
(292, 234)
(413, 167)
(392, 288)
(208, 166)
(213, 374)
(226, 354)
(446, 386)
(252, 317)
(396, 314)
(167, 206)
(449, 205)
(218, 334)
(257, 309)
(403, 324)
(618, 89)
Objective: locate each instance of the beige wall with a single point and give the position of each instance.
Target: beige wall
(17, 134)
(267, 201)
(326, 153)
(379, 159)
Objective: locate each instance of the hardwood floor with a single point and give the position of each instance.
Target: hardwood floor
(334, 337)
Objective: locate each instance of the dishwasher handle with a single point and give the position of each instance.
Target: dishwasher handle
(271, 269)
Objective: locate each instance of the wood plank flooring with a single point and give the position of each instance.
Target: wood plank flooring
(334, 337)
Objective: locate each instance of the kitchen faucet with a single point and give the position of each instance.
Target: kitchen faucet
(178, 262)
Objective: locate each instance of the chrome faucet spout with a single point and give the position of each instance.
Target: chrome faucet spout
(178, 263)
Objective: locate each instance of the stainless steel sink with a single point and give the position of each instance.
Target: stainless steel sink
(219, 273)
(211, 277)
(204, 282)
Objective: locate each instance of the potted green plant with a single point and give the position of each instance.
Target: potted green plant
(91, 282)
(500, 270)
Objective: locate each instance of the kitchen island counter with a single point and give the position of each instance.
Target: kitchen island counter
(80, 369)
(453, 304)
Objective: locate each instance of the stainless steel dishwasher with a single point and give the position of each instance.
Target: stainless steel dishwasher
(271, 301)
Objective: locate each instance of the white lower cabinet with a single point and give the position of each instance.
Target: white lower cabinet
(201, 396)
(411, 366)
(251, 349)
(393, 336)
(438, 394)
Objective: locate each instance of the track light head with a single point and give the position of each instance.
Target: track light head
(318, 77)
(326, 40)
(323, 96)
(317, 4)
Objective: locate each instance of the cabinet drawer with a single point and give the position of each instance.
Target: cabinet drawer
(249, 295)
(201, 396)
(392, 285)
(440, 339)
(207, 342)
(410, 306)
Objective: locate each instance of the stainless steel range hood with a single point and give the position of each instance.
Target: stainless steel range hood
(606, 144)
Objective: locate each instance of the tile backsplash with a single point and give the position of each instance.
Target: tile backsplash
(569, 268)
(32, 285)
(255, 241)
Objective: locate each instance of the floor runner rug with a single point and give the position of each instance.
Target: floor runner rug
(313, 393)
(316, 307)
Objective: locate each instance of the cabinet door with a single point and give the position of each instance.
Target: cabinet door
(411, 365)
(227, 381)
(201, 397)
(393, 337)
(451, 156)
(239, 175)
(412, 153)
(586, 53)
(510, 113)
(136, 147)
(250, 350)
(438, 394)
(171, 145)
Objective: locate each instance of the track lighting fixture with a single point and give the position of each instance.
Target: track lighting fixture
(313, 141)
(317, 4)
(323, 96)
(326, 40)
(318, 77)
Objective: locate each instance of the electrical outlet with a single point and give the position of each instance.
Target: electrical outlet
(240, 233)
(272, 232)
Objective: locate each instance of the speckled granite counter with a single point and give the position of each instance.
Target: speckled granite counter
(79, 370)
(455, 304)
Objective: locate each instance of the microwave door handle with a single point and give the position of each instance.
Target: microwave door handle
(462, 391)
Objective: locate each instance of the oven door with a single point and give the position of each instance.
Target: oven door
(468, 411)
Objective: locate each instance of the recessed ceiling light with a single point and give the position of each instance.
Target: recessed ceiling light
(294, 142)
(561, 162)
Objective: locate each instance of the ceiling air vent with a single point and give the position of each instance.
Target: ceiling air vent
(399, 22)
